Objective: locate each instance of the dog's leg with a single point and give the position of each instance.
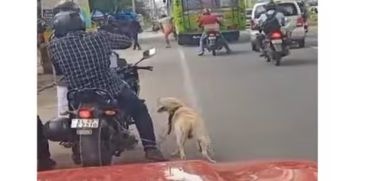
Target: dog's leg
(176, 152)
(180, 139)
(204, 150)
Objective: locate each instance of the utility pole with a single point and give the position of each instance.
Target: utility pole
(133, 5)
(155, 8)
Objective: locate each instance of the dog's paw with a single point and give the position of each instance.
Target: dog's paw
(175, 153)
(183, 157)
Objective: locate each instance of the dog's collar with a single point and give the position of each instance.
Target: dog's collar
(172, 112)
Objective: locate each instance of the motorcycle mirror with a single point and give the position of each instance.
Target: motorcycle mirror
(149, 53)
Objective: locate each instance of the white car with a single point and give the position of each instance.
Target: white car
(293, 16)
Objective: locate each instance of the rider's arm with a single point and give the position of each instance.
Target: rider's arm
(117, 41)
(52, 53)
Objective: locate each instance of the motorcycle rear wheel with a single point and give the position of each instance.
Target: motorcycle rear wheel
(277, 58)
(214, 53)
(94, 150)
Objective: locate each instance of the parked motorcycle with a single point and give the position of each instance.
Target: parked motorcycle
(213, 42)
(97, 129)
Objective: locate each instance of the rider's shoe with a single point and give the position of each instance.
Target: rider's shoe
(154, 154)
(201, 53)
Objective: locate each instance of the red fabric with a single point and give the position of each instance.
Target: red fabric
(208, 19)
(286, 170)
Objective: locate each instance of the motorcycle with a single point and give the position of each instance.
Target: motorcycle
(97, 129)
(213, 42)
(275, 46)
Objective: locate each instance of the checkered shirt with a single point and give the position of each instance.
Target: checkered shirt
(84, 59)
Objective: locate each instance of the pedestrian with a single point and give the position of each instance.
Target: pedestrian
(167, 28)
(43, 153)
(135, 29)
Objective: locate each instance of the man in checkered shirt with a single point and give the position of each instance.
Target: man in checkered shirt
(83, 58)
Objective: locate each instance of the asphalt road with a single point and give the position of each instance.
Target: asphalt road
(253, 109)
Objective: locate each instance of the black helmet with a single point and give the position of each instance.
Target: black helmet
(67, 21)
(66, 6)
(270, 6)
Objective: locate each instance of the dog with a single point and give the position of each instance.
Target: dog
(186, 124)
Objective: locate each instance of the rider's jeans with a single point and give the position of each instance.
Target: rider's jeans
(136, 108)
(204, 35)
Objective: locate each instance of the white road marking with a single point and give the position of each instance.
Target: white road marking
(188, 85)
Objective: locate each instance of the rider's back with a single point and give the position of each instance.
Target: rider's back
(271, 23)
(209, 22)
(83, 58)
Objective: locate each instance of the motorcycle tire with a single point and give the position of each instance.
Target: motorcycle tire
(268, 58)
(214, 53)
(277, 59)
(94, 149)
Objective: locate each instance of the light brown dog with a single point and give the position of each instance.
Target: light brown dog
(187, 124)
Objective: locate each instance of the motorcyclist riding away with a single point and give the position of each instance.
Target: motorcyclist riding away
(271, 20)
(210, 22)
(84, 59)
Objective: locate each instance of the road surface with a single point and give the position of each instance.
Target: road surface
(253, 110)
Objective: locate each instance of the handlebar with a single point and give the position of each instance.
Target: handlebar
(150, 68)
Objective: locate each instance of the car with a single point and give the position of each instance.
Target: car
(293, 15)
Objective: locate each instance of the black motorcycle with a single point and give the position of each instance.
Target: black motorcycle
(97, 129)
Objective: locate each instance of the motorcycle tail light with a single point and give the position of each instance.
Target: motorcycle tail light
(300, 22)
(110, 112)
(276, 35)
(85, 113)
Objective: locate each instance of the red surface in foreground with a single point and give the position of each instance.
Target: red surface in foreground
(191, 171)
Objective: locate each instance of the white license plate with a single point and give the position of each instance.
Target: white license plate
(276, 41)
(84, 123)
(212, 37)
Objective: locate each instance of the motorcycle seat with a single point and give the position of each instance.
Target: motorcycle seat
(91, 95)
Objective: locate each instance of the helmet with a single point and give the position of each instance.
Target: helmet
(206, 11)
(66, 5)
(67, 21)
(270, 6)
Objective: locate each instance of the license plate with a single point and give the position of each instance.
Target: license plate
(84, 132)
(84, 123)
(276, 41)
(212, 37)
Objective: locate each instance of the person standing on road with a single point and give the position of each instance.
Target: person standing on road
(166, 26)
(84, 59)
(135, 29)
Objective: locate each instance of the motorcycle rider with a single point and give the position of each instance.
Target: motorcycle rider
(207, 19)
(83, 58)
(272, 19)
(61, 87)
